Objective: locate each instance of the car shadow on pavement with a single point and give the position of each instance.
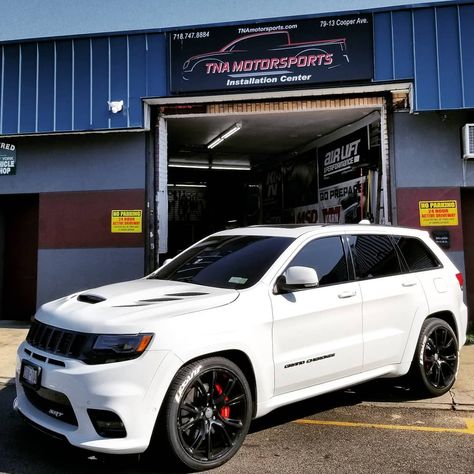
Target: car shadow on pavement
(26, 450)
(380, 390)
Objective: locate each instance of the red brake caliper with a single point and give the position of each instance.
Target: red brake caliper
(224, 411)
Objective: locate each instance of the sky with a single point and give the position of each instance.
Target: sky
(24, 19)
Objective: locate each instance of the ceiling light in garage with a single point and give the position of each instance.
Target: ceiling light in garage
(189, 162)
(224, 135)
(237, 164)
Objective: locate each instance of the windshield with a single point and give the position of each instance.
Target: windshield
(233, 261)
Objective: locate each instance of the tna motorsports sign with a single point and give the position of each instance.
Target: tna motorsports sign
(299, 53)
(7, 159)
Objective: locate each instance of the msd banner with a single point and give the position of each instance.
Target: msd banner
(272, 54)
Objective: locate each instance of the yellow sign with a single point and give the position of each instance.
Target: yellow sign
(127, 221)
(438, 213)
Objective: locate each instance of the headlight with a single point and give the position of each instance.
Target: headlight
(109, 348)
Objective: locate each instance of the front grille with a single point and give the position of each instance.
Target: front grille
(54, 404)
(56, 340)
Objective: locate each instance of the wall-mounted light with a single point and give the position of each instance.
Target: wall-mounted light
(224, 135)
(115, 106)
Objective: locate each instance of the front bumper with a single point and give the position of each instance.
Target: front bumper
(133, 390)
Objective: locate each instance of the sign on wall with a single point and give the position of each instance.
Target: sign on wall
(7, 159)
(292, 53)
(342, 159)
(342, 175)
(126, 221)
(438, 213)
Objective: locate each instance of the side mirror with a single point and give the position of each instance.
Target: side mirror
(296, 278)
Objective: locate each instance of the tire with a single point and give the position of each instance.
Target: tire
(435, 364)
(206, 413)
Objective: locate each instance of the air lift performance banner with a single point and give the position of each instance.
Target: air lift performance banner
(342, 177)
(261, 55)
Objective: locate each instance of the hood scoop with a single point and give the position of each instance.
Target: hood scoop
(91, 299)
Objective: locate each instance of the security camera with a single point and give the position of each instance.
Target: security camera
(115, 106)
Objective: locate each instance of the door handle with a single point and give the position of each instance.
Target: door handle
(407, 284)
(346, 294)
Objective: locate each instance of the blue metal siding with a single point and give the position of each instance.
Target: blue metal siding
(63, 92)
(45, 106)
(119, 71)
(138, 82)
(383, 48)
(28, 55)
(466, 22)
(10, 96)
(156, 68)
(426, 61)
(100, 86)
(403, 48)
(431, 46)
(82, 85)
(64, 85)
(450, 77)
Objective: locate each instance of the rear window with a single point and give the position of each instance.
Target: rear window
(235, 261)
(374, 256)
(416, 254)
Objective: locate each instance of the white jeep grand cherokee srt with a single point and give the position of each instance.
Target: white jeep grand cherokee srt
(243, 322)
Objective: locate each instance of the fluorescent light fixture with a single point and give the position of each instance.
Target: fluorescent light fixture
(187, 185)
(233, 168)
(237, 164)
(188, 162)
(218, 163)
(224, 135)
(215, 142)
(176, 165)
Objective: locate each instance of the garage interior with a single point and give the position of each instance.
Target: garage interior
(263, 169)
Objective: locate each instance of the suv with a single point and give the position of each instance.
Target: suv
(242, 322)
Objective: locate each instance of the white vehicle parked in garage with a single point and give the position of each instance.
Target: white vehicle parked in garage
(243, 322)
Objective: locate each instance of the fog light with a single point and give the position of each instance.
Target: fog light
(107, 423)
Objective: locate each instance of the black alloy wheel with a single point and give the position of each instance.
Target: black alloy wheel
(208, 413)
(437, 357)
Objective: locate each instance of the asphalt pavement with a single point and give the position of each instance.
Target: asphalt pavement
(383, 392)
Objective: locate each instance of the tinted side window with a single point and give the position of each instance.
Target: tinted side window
(374, 256)
(417, 255)
(327, 257)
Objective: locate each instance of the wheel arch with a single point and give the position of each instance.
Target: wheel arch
(445, 315)
(448, 318)
(242, 360)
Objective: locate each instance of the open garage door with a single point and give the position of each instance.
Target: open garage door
(296, 161)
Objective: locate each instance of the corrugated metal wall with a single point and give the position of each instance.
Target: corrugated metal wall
(64, 85)
(434, 46)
